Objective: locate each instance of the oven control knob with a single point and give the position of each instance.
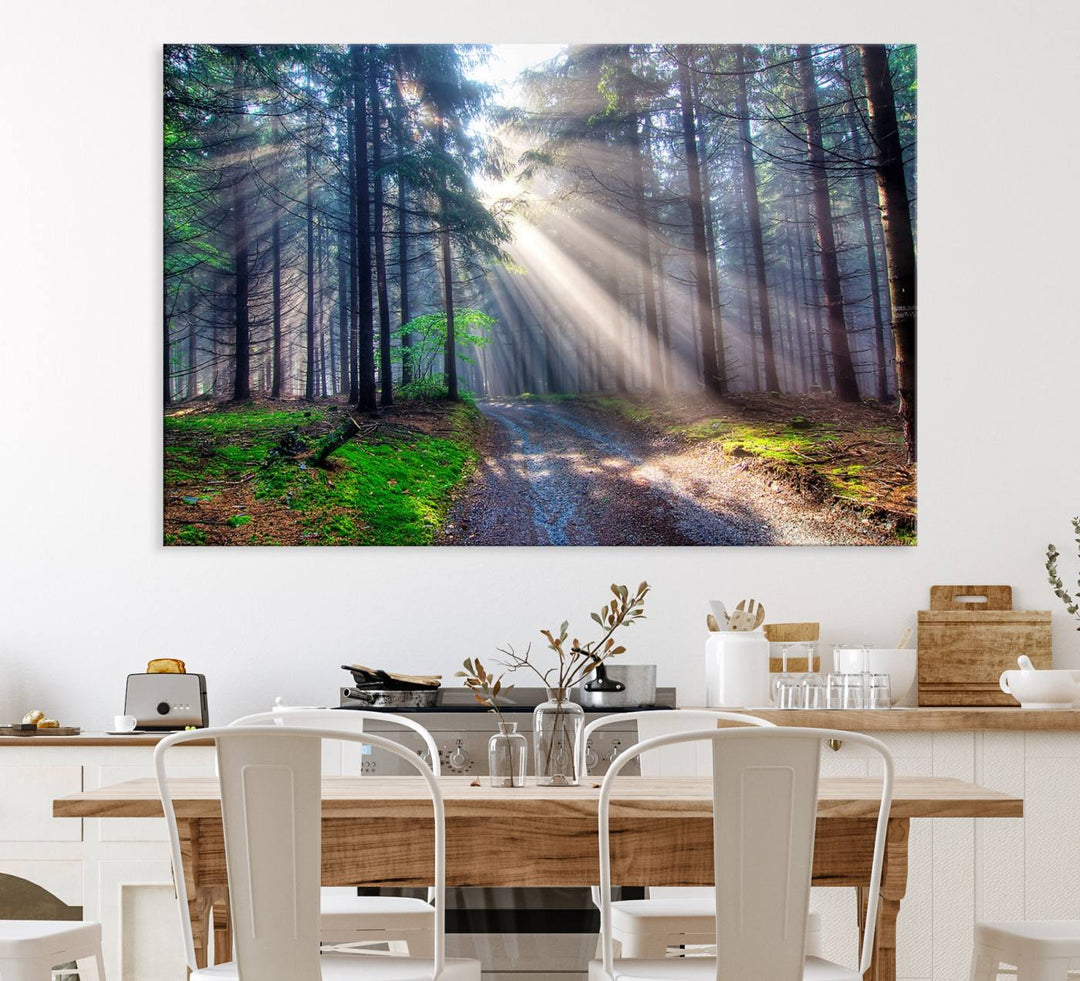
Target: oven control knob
(458, 758)
(614, 752)
(591, 757)
(162, 708)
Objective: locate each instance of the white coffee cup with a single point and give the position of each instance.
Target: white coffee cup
(124, 723)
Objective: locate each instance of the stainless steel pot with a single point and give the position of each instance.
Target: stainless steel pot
(389, 698)
(619, 686)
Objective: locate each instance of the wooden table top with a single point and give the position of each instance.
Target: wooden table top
(407, 797)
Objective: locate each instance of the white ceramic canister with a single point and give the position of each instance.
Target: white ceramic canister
(737, 669)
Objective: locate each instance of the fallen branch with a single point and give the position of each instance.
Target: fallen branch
(337, 439)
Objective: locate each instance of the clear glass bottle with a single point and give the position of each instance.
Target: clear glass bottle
(508, 756)
(557, 725)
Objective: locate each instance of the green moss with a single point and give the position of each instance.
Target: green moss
(393, 489)
(242, 420)
(191, 535)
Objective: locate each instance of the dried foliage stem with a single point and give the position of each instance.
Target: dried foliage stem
(1071, 602)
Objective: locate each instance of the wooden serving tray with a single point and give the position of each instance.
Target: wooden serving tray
(60, 731)
(964, 646)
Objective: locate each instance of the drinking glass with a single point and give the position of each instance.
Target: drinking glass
(834, 690)
(879, 693)
(785, 676)
(853, 691)
(788, 692)
(813, 691)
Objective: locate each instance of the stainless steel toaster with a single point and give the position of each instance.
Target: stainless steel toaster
(167, 701)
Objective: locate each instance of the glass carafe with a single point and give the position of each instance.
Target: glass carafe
(508, 755)
(557, 725)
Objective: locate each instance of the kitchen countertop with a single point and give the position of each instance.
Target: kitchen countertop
(87, 738)
(923, 719)
(854, 720)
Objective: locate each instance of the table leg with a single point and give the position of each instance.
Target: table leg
(199, 914)
(893, 889)
(222, 921)
(208, 905)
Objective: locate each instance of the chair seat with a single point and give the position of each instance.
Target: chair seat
(47, 938)
(704, 969)
(376, 912)
(350, 967)
(694, 915)
(1031, 939)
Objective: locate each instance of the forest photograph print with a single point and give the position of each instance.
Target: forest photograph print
(539, 294)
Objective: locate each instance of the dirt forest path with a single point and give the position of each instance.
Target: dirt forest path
(563, 474)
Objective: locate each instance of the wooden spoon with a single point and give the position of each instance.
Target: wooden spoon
(747, 615)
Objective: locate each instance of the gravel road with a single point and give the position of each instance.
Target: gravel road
(563, 474)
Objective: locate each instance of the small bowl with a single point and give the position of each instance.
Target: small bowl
(1042, 689)
(899, 663)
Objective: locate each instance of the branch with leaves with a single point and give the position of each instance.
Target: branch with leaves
(1072, 603)
(575, 659)
(486, 688)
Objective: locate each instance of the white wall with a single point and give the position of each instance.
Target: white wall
(88, 594)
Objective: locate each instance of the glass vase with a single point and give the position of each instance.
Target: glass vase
(557, 725)
(508, 754)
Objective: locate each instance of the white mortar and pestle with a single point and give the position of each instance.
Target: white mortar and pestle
(1035, 689)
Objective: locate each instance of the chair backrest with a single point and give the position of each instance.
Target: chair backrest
(765, 791)
(347, 720)
(671, 761)
(271, 808)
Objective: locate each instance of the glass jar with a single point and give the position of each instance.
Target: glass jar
(508, 755)
(557, 725)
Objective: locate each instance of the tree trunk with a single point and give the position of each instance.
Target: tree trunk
(275, 258)
(366, 397)
(896, 223)
(847, 387)
(797, 311)
(403, 233)
(714, 370)
(166, 349)
(309, 208)
(241, 287)
(711, 251)
(386, 368)
(354, 266)
(858, 150)
(241, 283)
(814, 300)
(642, 229)
(753, 211)
(191, 388)
(343, 317)
(450, 355)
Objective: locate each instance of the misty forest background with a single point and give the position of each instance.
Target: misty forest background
(371, 224)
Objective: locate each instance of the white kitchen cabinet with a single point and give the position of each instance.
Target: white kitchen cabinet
(26, 803)
(116, 870)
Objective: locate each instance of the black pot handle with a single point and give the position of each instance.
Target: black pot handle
(602, 682)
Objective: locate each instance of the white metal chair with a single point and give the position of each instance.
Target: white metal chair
(30, 949)
(346, 917)
(676, 916)
(765, 790)
(271, 810)
(1041, 950)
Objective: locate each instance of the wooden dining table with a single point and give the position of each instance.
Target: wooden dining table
(377, 831)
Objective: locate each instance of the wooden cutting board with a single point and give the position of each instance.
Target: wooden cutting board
(56, 731)
(968, 637)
